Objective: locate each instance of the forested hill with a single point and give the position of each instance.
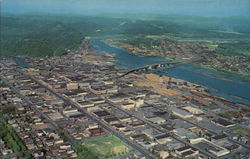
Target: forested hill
(37, 37)
(40, 34)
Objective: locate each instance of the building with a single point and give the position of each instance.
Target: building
(163, 154)
(187, 152)
(101, 113)
(182, 113)
(96, 131)
(138, 137)
(128, 105)
(224, 123)
(98, 89)
(193, 110)
(112, 120)
(72, 86)
(163, 139)
(210, 147)
(119, 98)
(85, 104)
(119, 127)
(55, 116)
(156, 120)
(184, 133)
(139, 102)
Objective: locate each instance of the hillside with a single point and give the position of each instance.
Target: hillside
(44, 34)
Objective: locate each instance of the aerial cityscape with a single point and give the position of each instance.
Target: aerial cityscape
(109, 79)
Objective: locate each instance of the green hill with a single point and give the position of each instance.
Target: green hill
(44, 34)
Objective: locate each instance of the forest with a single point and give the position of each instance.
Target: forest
(45, 34)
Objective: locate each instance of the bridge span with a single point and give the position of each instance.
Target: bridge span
(152, 67)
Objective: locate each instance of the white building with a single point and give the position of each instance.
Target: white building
(182, 113)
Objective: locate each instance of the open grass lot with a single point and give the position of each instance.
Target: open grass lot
(103, 148)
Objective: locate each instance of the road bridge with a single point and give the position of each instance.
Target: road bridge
(152, 67)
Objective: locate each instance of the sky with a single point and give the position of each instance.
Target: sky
(180, 7)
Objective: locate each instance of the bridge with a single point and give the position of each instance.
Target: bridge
(152, 67)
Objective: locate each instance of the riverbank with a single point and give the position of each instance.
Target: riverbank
(226, 86)
(190, 53)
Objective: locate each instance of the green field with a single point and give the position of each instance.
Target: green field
(102, 148)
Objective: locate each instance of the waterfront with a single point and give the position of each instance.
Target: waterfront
(228, 86)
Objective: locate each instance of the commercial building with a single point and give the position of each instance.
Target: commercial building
(182, 113)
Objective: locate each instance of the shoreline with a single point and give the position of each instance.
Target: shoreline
(210, 68)
(222, 97)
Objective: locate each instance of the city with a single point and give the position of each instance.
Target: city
(59, 106)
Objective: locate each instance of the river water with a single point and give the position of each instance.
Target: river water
(228, 86)
(21, 62)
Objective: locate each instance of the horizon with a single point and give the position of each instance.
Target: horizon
(127, 15)
(204, 8)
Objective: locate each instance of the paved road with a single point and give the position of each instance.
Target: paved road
(214, 133)
(95, 119)
(198, 125)
(39, 112)
(160, 130)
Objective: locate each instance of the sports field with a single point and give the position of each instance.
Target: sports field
(106, 147)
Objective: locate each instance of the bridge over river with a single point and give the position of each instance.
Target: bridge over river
(152, 67)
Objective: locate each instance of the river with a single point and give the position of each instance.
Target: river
(228, 86)
(21, 61)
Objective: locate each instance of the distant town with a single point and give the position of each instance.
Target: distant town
(81, 106)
